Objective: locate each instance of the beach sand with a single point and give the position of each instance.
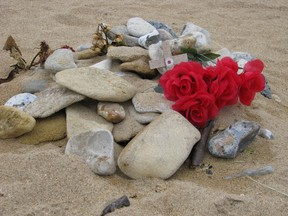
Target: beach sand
(41, 180)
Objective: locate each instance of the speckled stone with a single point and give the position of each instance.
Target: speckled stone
(233, 140)
(21, 101)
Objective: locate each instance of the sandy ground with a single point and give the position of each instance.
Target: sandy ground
(41, 180)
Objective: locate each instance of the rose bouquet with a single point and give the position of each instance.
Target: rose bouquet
(201, 92)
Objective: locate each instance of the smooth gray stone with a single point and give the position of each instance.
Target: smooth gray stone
(59, 60)
(138, 27)
(233, 140)
(159, 25)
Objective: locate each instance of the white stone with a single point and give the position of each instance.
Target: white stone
(21, 101)
(96, 148)
(160, 148)
(138, 27)
(59, 60)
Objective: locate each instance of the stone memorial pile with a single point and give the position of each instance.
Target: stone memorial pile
(106, 107)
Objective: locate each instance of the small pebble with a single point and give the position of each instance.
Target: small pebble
(265, 133)
(119, 203)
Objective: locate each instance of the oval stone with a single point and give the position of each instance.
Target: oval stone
(14, 122)
(160, 148)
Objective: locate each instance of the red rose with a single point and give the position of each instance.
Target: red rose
(223, 82)
(253, 81)
(197, 108)
(184, 79)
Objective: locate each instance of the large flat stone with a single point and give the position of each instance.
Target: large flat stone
(126, 54)
(51, 101)
(159, 149)
(99, 84)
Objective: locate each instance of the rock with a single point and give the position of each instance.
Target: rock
(84, 47)
(122, 30)
(242, 55)
(46, 130)
(151, 102)
(128, 128)
(267, 90)
(142, 85)
(126, 54)
(33, 86)
(51, 101)
(59, 60)
(202, 36)
(142, 118)
(265, 133)
(164, 35)
(159, 149)
(14, 122)
(163, 26)
(138, 27)
(148, 39)
(233, 140)
(139, 66)
(99, 84)
(81, 119)
(105, 64)
(21, 101)
(96, 148)
(112, 112)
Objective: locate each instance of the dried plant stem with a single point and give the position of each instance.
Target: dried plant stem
(266, 186)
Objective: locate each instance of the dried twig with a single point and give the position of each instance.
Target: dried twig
(266, 186)
(43, 54)
(197, 154)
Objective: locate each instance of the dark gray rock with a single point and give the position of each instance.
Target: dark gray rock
(233, 140)
(159, 25)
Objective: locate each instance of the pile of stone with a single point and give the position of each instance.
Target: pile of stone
(106, 107)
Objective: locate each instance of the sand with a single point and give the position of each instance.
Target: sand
(41, 180)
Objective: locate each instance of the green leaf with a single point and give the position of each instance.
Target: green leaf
(211, 56)
(189, 50)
